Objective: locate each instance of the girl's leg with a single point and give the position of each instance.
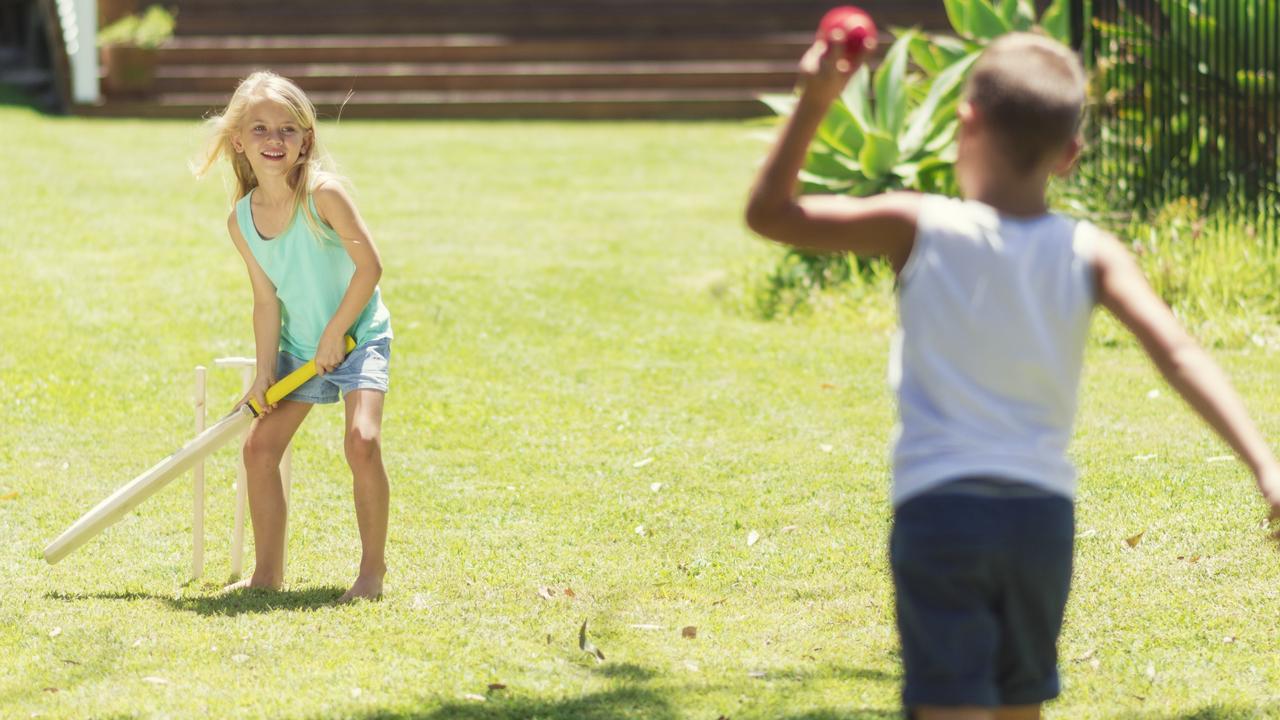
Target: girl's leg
(263, 449)
(371, 488)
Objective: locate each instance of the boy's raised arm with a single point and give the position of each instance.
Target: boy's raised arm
(1124, 291)
(882, 225)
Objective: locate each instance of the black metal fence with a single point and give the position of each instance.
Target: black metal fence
(1186, 103)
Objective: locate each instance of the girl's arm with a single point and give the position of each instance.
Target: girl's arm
(337, 209)
(881, 225)
(1124, 291)
(266, 319)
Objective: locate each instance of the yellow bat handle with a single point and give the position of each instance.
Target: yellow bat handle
(291, 382)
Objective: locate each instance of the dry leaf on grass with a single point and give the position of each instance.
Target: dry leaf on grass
(546, 593)
(689, 631)
(497, 686)
(10, 496)
(588, 646)
(1133, 540)
(568, 592)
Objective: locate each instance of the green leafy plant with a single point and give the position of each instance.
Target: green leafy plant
(149, 30)
(895, 128)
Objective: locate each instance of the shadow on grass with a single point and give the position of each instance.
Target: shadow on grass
(240, 602)
(1210, 712)
(639, 694)
(627, 702)
(860, 714)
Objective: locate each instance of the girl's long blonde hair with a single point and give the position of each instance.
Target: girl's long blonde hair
(313, 167)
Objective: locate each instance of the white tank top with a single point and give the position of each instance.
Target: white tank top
(994, 312)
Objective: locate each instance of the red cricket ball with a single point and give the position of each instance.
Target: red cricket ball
(859, 30)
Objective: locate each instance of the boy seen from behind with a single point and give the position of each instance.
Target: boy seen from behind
(995, 293)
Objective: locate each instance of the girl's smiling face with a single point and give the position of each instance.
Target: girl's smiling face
(270, 138)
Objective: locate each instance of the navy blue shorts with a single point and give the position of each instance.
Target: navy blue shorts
(981, 570)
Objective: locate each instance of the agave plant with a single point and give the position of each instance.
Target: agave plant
(901, 139)
(895, 128)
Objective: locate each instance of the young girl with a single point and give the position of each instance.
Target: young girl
(314, 270)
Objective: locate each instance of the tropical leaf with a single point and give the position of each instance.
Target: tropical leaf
(938, 106)
(958, 14)
(841, 130)
(878, 154)
(856, 96)
(1056, 21)
(1025, 17)
(890, 82)
(780, 104)
(984, 22)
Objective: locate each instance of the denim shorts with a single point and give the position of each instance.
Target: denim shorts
(981, 570)
(366, 368)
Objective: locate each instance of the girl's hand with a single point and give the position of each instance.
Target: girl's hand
(330, 352)
(258, 392)
(824, 69)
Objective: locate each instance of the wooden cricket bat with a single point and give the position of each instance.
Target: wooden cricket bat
(120, 502)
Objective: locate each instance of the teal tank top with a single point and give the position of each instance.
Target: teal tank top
(311, 275)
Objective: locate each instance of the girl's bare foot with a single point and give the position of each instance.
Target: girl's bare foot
(366, 587)
(252, 582)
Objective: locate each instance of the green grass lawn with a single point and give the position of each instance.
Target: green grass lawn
(577, 403)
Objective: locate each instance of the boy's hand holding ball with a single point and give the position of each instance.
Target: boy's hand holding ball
(845, 36)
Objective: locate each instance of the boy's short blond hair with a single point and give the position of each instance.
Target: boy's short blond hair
(1030, 91)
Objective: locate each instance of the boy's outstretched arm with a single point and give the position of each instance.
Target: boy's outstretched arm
(1124, 291)
(881, 225)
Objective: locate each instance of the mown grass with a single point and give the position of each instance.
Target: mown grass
(579, 400)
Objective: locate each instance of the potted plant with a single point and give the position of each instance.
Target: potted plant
(129, 46)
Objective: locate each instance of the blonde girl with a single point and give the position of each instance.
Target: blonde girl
(314, 271)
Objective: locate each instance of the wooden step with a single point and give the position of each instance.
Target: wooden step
(578, 105)
(761, 76)
(651, 19)
(277, 50)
